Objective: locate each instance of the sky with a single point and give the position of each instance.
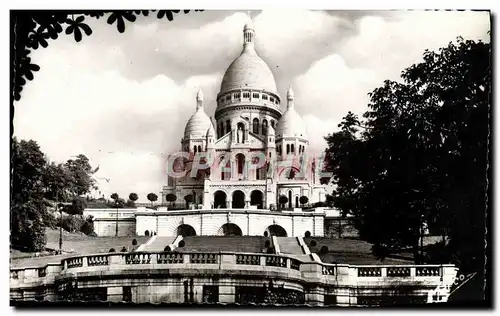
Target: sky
(123, 99)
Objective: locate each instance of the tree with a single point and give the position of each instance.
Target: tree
(189, 199)
(81, 179)
(132, 198)
(27, 232)
(303, 200)
(171, 198)
(282, 200)
(34, 29)
(419, 156)
(56, 181)
(152, 198)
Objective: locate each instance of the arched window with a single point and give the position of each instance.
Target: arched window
(240, 162)
(287, 149)
(293, 149)
(221, 129)
(264, 127)
(255, 126)
(290, 199)
(228, 126)
(194, 149)
(199, 148)
(272, 123)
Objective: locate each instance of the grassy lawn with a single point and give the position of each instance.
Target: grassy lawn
(73, 244)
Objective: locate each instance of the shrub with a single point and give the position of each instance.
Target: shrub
(124, 249)
(134, 242)
(308, 234)
(320, 204)
(88, 227)
(182, 243)
(270, 250)
(267, 244)
(312, 243)
(303, 200)
(324, 249)
(266, 234)
(112, 250)
(167, 249)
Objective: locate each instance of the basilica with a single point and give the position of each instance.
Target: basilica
(254, 153)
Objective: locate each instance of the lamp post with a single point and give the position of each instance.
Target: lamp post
(60, 221)
(116, 204)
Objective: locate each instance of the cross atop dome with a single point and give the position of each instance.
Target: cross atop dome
(199, 99)
(249, 24)
(248, 33)
(290, 97)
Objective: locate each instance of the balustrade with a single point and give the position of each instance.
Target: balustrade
(42, 272)
(428, 271)
(170, 258)
(248, 259)
(295, 264)
(398, 272)
(328, 270)
(204, 258)
(276, 261)
(138, 258)
(74, 262)
(370, 272)
(98, 260)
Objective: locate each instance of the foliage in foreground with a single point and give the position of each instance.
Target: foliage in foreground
(418, 158)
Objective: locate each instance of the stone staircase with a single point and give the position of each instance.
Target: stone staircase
(156, 243)
(289, 245)
(253, 244)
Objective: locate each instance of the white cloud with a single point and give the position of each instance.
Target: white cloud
(381, 49)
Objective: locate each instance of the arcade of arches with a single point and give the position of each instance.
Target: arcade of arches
(186, 230)
(275, 230)
(238, 199)
(230, 229)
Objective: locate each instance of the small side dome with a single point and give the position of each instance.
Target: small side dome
(197, 125)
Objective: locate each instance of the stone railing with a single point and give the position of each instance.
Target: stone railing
(321, 272)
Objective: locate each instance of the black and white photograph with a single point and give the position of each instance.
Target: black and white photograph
(262, 157)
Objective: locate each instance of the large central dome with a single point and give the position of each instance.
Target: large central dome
(248, 70)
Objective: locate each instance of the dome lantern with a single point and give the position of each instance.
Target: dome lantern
(248, 71)
(199, 99)
(290, 98)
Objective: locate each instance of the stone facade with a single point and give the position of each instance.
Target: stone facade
(252, 153)
(148, 277)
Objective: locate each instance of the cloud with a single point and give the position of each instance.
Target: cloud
(121, 124)
(382, 47)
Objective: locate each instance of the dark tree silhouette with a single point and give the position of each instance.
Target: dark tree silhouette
(419, 157)
(303, 200)
(152, 198)
(282, 200)
(133, 197)
(171, 198)
(189, 199)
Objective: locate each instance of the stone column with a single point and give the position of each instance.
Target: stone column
(229, 203)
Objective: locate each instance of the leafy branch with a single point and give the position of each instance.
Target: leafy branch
(31, 30)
